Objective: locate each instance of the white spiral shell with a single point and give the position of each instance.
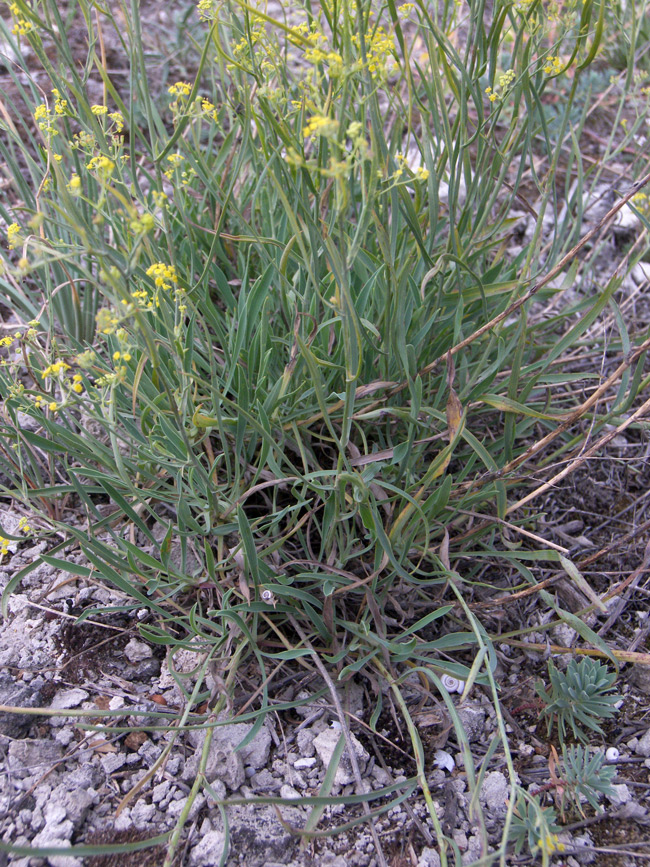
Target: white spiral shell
(452, 684)
(612, 754)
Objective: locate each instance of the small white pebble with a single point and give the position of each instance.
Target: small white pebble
(444, 760)
(304, 763)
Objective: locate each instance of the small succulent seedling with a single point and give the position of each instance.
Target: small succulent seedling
(578, 698)
(585, 777)
(534, 827)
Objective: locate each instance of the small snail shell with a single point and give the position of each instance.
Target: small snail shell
(452, 684)
(612, 754)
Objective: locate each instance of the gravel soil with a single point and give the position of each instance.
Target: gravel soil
(63, 784)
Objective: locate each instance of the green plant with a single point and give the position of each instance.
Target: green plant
(631, 52)
(533, 827)
(578, 697)
(580, 776)
(276, 344)
(584, 775)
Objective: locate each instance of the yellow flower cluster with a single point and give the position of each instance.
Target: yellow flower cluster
(550, 844)
(103, 165)
(301, 33)
(332, 58)
(316, 47)
(13, 235)
(118, 120)
(23, 524)
(45, 120)
(642, 202)
(206, 9)
(140, 299)
(199, 107)
(142, 224)
(181, 88)
(55, 369)
(159, 198)
(4, 546)
(85, 359)
(83, 141)
(106, 320)
(74, 185)
(419, 174)
(553, 65)
(400, 159)
(60, 104)
(209, 108)
(9, 339)
(356, 133)
(505, 80)
(241, 51)
(379, 52)
(99, 110)
(163, 275)
(405, 9)
(561, 11)
(355, 142)
(319, 125)
(21, 25)
(174, 160)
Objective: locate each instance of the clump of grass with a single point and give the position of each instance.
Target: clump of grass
(275, 316)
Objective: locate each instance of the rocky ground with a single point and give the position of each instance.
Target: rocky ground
(62, 784)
